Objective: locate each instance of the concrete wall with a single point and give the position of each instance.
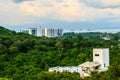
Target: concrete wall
(102, 56)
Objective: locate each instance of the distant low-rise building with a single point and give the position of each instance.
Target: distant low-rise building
(106, 37)
(31, 31)
(25, 31)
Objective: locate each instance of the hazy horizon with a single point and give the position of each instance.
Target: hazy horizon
(67, 14)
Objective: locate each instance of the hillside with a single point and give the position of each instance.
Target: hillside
(4, 31)
(26, 57)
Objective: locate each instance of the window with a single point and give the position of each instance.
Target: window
(33, 32)
(96, 54)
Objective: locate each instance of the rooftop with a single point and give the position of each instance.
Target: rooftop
(90, 64)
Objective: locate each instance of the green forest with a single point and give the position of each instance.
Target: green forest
(27, 57)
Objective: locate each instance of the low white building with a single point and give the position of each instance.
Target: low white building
(65, 69)
(100, 63)
(106, 38)
(31, 31)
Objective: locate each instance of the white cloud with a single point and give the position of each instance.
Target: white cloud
(11, 14)
(29, 11)
(68, 10)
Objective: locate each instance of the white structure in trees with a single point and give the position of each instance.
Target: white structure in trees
(101, 56)
(32, 31)
(66, 68)
(100, 63)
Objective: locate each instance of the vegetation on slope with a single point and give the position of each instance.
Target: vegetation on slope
(26, 57)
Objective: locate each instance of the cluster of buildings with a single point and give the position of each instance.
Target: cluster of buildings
(48, 32)
(100, 63)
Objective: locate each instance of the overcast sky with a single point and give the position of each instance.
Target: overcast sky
(19, 12)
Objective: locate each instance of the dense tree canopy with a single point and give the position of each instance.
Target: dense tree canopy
(27, 57)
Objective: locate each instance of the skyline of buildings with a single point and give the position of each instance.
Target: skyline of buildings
(48, 32)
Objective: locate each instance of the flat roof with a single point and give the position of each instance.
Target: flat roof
(90, 64)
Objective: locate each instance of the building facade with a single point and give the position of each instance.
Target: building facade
(51, 32)
(32, 31)
(102, 56)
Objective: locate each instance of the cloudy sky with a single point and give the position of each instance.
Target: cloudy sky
(75, 12)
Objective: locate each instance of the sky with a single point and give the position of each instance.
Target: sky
(71, 14)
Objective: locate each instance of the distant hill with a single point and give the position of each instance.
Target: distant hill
(4, 31)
